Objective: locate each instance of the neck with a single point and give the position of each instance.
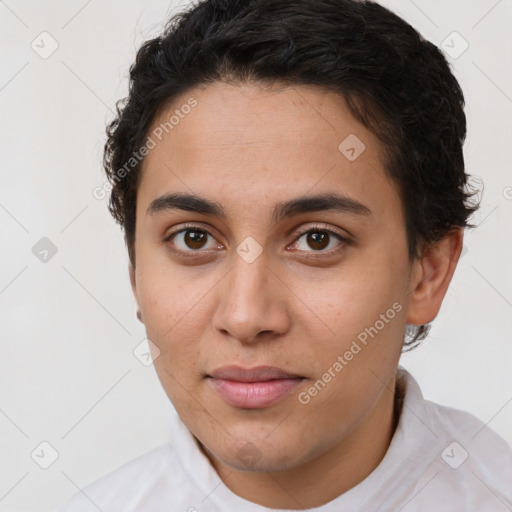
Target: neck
(326, 477)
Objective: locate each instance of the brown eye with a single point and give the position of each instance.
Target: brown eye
(195, 239)
(191, 239)
(318, 240)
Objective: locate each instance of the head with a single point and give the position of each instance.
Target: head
(290, 180)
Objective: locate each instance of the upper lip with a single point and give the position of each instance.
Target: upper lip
(257, 374)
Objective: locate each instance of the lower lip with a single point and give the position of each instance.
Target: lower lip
(254, 395)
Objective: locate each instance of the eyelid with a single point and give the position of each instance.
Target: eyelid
(344, 240)
(189, 226)
(320, 227)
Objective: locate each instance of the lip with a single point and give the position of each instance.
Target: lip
(253, 388)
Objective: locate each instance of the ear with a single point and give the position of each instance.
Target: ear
(133, 282)
(431, 277)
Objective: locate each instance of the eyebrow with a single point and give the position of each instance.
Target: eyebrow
(305, 204)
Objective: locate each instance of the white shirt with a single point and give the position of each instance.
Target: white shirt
(440, 459)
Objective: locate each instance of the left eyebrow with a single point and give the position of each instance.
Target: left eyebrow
(306, 204)
(324, 202)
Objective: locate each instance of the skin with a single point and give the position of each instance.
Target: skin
(248, 147)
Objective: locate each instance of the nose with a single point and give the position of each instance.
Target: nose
(253, 302)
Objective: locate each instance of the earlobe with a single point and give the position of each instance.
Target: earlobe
(133, 282)
(431, 277)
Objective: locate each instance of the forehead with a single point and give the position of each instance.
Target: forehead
(251, 145)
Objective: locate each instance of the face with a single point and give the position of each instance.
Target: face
(251, 275)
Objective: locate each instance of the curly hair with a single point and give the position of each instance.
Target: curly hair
(396, 83)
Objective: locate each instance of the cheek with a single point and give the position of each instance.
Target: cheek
(364, 310)
(168, 298)
(160, 307)
(173, 325)
(176, 310)
(352, 297)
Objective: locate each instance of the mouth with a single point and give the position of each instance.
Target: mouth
(253, 388)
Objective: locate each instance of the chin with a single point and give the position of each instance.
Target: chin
(252, 455)
(264, 462)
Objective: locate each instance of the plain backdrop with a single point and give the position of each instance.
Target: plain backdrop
(69, 377)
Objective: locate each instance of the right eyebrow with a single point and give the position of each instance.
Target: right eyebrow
(186, 202)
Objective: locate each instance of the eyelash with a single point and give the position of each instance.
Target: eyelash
(313, 229)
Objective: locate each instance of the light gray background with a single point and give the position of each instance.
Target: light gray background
(68, 373)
